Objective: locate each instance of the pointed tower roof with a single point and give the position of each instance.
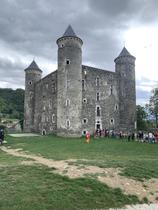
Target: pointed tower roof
(33, 66)
(69, 32)
(124, 52)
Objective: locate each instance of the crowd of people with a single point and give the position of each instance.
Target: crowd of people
(150, 137)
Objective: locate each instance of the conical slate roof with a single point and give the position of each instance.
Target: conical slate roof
(69, 32)
(124, 52)
(33, 66)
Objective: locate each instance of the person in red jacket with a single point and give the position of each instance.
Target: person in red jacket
(88, 136)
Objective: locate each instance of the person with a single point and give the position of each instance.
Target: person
(150, 137)
(88, 136)
(1, 136)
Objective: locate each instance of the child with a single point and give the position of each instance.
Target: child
(88, 136)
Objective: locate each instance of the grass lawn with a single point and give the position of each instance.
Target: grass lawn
(138, 160)
(37, 187)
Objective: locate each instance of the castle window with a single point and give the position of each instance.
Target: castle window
(97, 81)
(85, 100)
(85, 121)
(44, 108)
(83, 84)
(116, 107)
(84, 132)
(53, 87)
(53, 118)
(111, 90)
(68, 123)
(98, 111)
(30, 82)
(98, 97)
(68, 102)
(67, 61)
(112, 121)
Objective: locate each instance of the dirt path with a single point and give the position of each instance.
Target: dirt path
(109, 176)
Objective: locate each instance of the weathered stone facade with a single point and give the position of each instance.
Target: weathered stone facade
(77, 98)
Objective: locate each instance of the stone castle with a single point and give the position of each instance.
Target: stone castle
(77, 98)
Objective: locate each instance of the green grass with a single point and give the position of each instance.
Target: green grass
(137, 160)
(38, 188)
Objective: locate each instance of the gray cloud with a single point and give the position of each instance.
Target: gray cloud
(30, 29)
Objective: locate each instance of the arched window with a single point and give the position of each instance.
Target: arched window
(98, 97)
(53, 118)
(83, 84)
(68, 123)
(111, 89)
(98, 111)
(67, 102)
(112, 121)
(97, 81)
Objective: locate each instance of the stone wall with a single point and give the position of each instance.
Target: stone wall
(45, 115)
(103, 83)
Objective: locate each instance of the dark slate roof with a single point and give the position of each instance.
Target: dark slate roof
(69, 32)
(124, 52)
(33, 66)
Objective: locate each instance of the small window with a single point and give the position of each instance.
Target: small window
(98, 111)
(68, 123)
(44, 108)
(111, 89)
(68, 102)
(46, 86)
(116, 107)
(30, 82)
(85, 100)
(98, 97)
(83, 84)
(47, 119)
(53, 87)
(85, 120)
(97, 81)
(53, 118)
(67, 61)
(112, 121)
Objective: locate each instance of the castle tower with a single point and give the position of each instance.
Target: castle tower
(69, 84)
(125, 70)
(32, 75)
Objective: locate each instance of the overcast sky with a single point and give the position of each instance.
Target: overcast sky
(29, 30)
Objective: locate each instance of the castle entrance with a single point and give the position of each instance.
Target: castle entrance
(43, 132)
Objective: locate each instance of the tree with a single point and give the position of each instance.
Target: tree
(141, 117)
(2, 104)
(153, 105)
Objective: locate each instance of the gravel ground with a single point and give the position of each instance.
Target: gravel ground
(23, 134)
(140, 207)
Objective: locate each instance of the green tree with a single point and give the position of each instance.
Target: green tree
(141, 117)
(2, 104)
(153, 105)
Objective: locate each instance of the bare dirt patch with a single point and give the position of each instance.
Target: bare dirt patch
(109, 176)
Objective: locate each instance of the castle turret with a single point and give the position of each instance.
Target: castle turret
(32, 74)
(69, 84)
(125, 70)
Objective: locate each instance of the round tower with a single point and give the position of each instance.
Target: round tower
(32, 75)
(69, 84)
(125, 71)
